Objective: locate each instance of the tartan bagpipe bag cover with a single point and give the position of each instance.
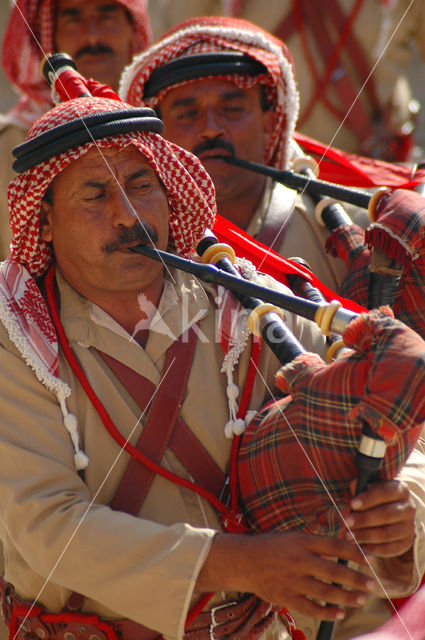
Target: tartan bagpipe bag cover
(298, 456)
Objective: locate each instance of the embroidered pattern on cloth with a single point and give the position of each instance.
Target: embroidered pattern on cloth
(27, 321)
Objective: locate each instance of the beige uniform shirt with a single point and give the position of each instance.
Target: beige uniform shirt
(387, 32)
(58, 532)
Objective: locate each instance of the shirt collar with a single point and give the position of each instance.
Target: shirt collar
(184, 301)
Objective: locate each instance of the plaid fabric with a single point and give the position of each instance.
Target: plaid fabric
(29, 36)
(189, 189)
(355, 284)
(212, 34)
(400, 232)
(347, 243)
(297, 441)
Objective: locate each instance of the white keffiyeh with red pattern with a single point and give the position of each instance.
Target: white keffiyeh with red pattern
(213, 34)
(189, 189)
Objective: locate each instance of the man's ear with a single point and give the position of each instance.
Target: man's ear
(269, 124)
(45, 221)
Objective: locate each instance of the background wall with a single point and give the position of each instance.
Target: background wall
(7, 97)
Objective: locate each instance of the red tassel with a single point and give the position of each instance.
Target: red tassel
(360, 332)
(379, 238)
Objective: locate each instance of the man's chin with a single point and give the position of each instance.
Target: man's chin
(224, 185)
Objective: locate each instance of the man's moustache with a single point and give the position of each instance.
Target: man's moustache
(93, 51)
(210, 145)
(136, 235)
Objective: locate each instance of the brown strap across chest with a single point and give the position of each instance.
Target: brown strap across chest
(163, 427)
(274, 228)
(277, 217)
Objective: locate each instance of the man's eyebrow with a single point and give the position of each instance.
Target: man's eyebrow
(94, 184)
(231, 94)
(108, 7)
(138, 174)
(101, 184)
(68, 12)
(183, 102)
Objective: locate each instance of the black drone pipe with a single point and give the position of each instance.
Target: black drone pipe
(274, 331)
(301, 182)
(383, 286)
(210, 273)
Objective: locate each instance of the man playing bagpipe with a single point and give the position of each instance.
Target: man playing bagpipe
(352, 60)
(114, 454)
(225, 88)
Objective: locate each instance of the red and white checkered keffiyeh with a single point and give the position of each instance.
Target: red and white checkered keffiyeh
(189, 189)
(29, 36)
(212, 34)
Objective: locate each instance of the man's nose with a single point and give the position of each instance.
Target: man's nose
(92, 30)
(211, 126)
(122, 211)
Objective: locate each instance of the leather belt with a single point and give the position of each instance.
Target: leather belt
(237, 620)
(244, 619)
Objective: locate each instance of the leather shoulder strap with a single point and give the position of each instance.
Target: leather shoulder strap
(277, 218)
(163, 403)
(163, 427)
(165, 406)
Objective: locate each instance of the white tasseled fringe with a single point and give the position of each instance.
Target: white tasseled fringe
(52, 383)
(235, 425)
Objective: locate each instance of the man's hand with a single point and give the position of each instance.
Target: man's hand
(292, 570)
(383, 519)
